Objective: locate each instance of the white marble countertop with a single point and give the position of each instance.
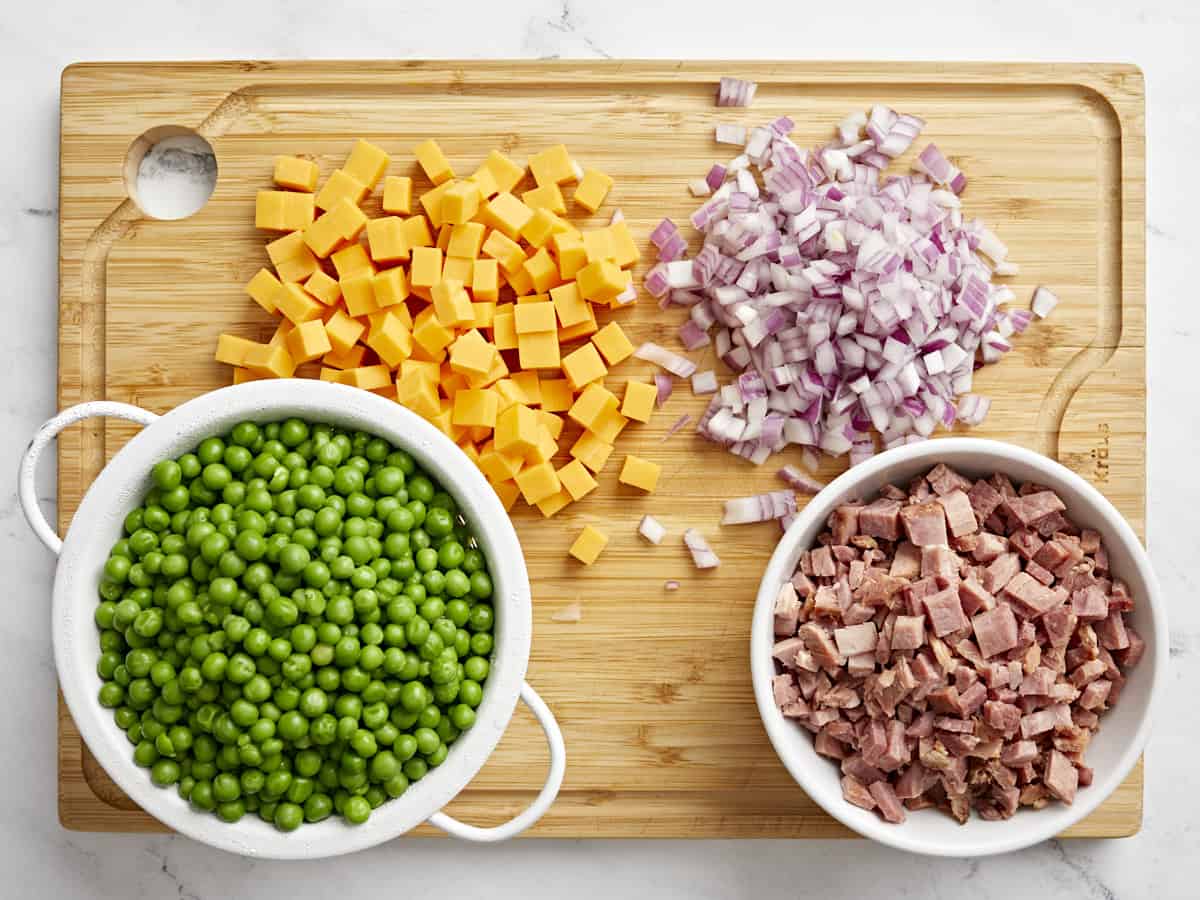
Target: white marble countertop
(38, 39)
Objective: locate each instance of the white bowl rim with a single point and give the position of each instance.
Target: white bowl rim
(1031, 826)
(121, 485)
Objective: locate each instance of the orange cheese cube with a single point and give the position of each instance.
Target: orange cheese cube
(348, 219)
(443, 238)
(505, 251)
(426, 268)
(283, 210)
(352, 260)
(397, 195)
(358, 293)
(613, 344)
(508, 492)
(545, 449)
(269, 361)
(485, 281)
(341, 186)
(591, 404)
(369, 378)
(466, 240)
(452, 382)
(242, 375)
(469, 448)
(486, 180)
(542, 271)
(460, 202)
(592, 189)
(598, 245)
(608, 425)
(520, 282)
(533, 317)
(585, 328)
(366, 163)
(591, 451)
(418, 393)
(498, 370)
(498, 465)
(430, 371)
(433, 162)
(416, 232)
(473, 408)
(431, 202)
(625, 249)
(556, 394)
(452, 303)
(386, 239)
(471, 354)
(508, 214)
(572, 255)
(232, 349)
(553, 423)
(640, 473)
(390, 288)
(583, 366)
(539, 228)
(504, 328)
(291, 257)
(639, 401)
(538, 350)
(308, 341)
(343, 331)
(430, 333)
(323, 287)
(324, 235)
(576, 480)
(282, 330)
(516, 430)
(295, 173)
(601, 281)
(505, 173)
(589, 545)
(571, 308)
(530, 387)
(263, 289)
(391, 340)
(508, 393)
(537, 482)
(296, 305)
(545, 196)
(552, 166)
(458, 269)
(484, 314)
(554, 503)
(351, 358)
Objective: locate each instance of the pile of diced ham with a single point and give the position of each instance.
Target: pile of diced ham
(954, 645)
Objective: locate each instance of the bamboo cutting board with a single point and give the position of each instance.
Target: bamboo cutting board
(652, 689)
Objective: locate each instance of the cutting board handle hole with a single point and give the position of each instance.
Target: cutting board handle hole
(170, 172)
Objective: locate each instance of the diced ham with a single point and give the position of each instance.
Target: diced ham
(1089, 541)
(972, 698)
(1132, 655)
(939, 561)
(973, 597)
(1120, 598)
(1051, 555)
(857, 613)
(828, 746)
(1090, 604)
(823, 564)
(1036, 723)
(1032, 507)
(1088, 672)
(908, 632)
(861, 664)
(784, 689)
(854, 791)
(945, 612)
(1039, 574)
(880, 519)
(995, 630)
(826, 602)
(818, 642)
(943, 480)
(1060, 625)
(1003, 717)
(984, 499)
(988, 546)
(1038, 682)
(1061, 778)
(1001, 571)
(804, 587)
(907, 561)
(960, 517)
(844, 522)
(797, 709)
(787, 611)
(860, 770)
(1025, 542)
(878, 587)
(947, 723)
(855, 639)
(854, 576)
(1054, 523)
(889, 804)
(1095, 695)
(1031, 598)
(924, 524)
(1019, 753)
(785, 651)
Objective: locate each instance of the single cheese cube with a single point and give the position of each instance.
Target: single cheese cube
(452, 303)
(348, 219)
(345, 359)
(609, 425)
(416, 232)
(572, 255)
(545, 449)
(591, 404)
(358, 293)
(431, 202)
(341, 186)
(352, 260)
(296, 305)
(484, 314)
(369, 378)
(323, 287)
(530, 387)
(291, 257)
(456, 268)
(486, 180)
(498, 370)
(638, 404)
(537, 482)
(538, 350)
(428, 370)
(269, 361)
(576, 479)
(430, 333)
(556, 394)
(386, 239)
(390, 287)
(553, 423)
(471, 354)
(542, 271)
(452, 382)
(343, 331)
(476, 408)
(308, 341)
(539, 228)
(433, 162)
(589, 545)
(505, 251)
(504, 328)
(505, 173)
(443, 238)
(498, 465)
(418, 393)
(242, 375)
(485, 282)
(466, 240)
(583, 366)
(509, 393)
(598, 245)
(584, 329)
(639, 473)
(263, 288)
(625, 249)
(592, 189)
(601, 281)
(552, 166)
(283, 210)
(613, 344)
(520, 282)
(295, 173)
(323, 236)
(508, 214)
(397, 195)
(547, 197)
(460, 202)
(516, 430)
(282, 330)
(232, 349)
(426, 268)
(570, 307)
(508, 492)
(366, 163)
(591, 451)
(534, 317)
(554, 503)
(391, 339)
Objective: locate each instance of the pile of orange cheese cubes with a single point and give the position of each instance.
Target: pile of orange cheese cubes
(477, 310)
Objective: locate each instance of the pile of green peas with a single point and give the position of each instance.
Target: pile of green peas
(296, 623)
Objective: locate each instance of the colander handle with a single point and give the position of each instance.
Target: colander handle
(26, 485)
(541, 803)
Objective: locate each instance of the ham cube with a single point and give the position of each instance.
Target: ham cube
(1038, 722)
(945, 612)
(974, 598)
(787, 611)
(1088, 672)
(785, 650)
(1051, 555)
(907, 561)
(1038, 683)
(1132, 655)
(818, 642)
(988, 546)
(995, 630)
(1031, 598)
(939, 561)
(880, 519)
(855, 639)
(854, 791)
(908, 633)
(943, 480)
(823, 564)
(1003, 717)
(1019, 753)
(844, 523)
(861, 665)
(924, 524)
(960, 518)
(889, 804)
(784, 689)
(1061, 777)
(1025, 542)
(1001, 571)
(1060, 624)
(985, 499)
(1033, 507)
(1090, 604)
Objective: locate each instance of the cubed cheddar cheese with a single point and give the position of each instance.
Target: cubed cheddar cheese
(505, 251)
(269, 361)
(471, 354)
(537, 482)
(592, 189)
(571, 308)
(530, 387)
(391, 339)
(418, 393)
(416, 232)
(593, 402)
(534, 317)
(476, 408)
(542, 271)
(508, 492)
(639, 400)
(583, 366)
(586, 328)
(341, 186)
(508, 214)
(625, 249)
(612, 343)
(545, 448)
(486, 180)
(498, 465)
(296, 305)
(283, 210)
(461, 202)
(466, 240)
(397, 195)
(539, 228)
(455, 268)
(324, 287)
(352, 260)
(343, 331)
(308, 341)
(358, 293)
(516, 430)
(601, 281)
(553, 423)
(485, 281)
(282, 330)
(345, 359)
(366, 163)
(443, 238)
(598, 245)
(391, 288)
(554, 503)
(472, 452)
(290, 256)
(571, 254)
(295, 173)
(609, 425)
(557, 395)
(452, 382)
(591, 451)
(452, 303)
(342, 223)
(505, 173)
(504, 327)
(386, 240)
(520, 282)
(241, 375)
(498, 370)
(639, 473)
(485, 313)
(232, 349)
(509, 393)
(432, 335)
(426, 268)
(431, 202)
(589, 545)
(538, 350)
(545, 196)
(576, 479)
(552, 166)
(263, 288)
(433, 162)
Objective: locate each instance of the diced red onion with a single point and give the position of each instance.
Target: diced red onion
(759, 508)
(663, 384)
(735, 92)
(1044, 302)
(662, 233)
(704, 383)
(731, 134)
(670, 585)
(665, 359)
(702, 554)
(800, 481)
(699, 187)
(651, 529)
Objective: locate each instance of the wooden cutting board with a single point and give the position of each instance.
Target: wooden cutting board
(652, 689)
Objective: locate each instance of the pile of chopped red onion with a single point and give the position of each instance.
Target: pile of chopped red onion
(847, 301)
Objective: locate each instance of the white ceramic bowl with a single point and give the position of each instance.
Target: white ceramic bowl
(1123, 730)
(121, 486)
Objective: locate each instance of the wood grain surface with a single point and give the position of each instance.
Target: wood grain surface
(652, 689)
